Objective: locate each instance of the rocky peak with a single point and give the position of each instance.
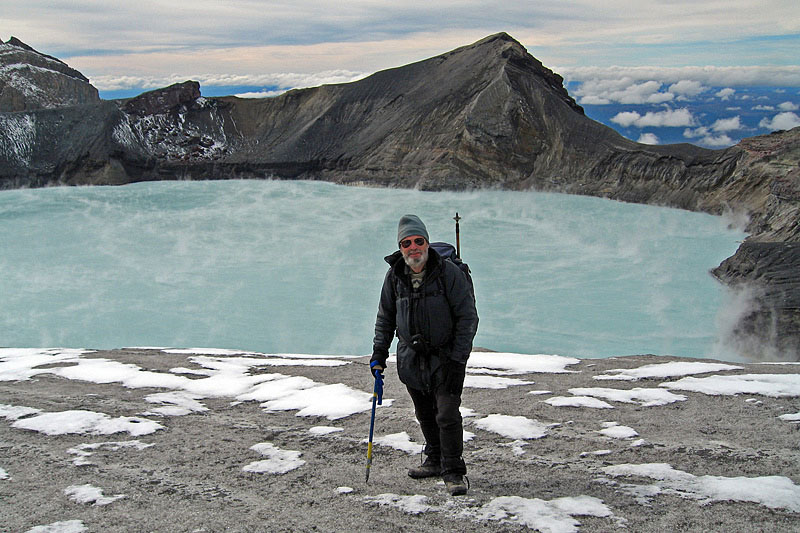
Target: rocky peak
(519, 61)
(32, 80)
(164, 100)
(13, 41)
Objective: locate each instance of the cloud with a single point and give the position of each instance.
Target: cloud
(668, 118)
(259, 94)
(284, 80)
(781, 121)
(687, 89)
(788, 106)
(622, 91)
(761, 107)
(727, 124)
(716, 135)
(722, 141)
(644, 85)
(725, 94)
(626, 119)
(707, 138)
(648, 138)
(709, 76)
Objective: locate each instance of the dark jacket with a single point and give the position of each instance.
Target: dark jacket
(434, 323)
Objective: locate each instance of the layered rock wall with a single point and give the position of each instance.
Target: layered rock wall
(30, 80)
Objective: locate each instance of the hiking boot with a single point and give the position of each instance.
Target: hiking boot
(455, 484)
(429, 468)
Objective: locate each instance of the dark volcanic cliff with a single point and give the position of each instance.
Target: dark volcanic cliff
(30, 80)
(485, 115)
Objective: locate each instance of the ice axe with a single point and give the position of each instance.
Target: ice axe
(377, 399)
(458, 236)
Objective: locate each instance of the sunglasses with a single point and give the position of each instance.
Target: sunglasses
(419, 241)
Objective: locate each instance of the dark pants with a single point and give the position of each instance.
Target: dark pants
(440, 420)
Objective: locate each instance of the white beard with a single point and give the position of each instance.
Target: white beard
(416, 262)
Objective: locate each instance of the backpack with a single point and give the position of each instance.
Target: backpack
(448, 252)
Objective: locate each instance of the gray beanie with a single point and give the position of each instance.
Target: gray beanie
(411, 225)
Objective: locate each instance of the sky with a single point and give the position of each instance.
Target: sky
(229, 374)
(708, 72)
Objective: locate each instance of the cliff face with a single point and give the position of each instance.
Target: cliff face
(766, 184)
(485, 115)
(30, 80)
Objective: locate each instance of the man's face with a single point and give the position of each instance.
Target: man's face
(415, 252)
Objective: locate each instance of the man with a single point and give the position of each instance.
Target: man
(429, 303)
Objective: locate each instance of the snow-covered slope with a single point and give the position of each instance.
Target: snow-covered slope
(31, 80)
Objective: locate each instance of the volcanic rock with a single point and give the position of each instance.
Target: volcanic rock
(163, 100)
(31, 80)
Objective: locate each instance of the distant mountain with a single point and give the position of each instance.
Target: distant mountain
(31, 80)
(484, 115)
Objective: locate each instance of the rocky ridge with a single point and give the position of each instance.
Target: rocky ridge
(484, 115)
(30, 80)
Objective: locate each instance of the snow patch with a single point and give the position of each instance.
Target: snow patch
(415, 504)
(324, 430)
(493, 382)
(227, 374)
(399, 441)
(596, 452)
(665, 370)
(13, 412)
(644, 397)
(331, 401)
(513, 427)
(577, 401)
(775, 492)
(517, 446)
(615, 431)
(790, 417)
(521, 363)
(278, 461)
(772, 385)
(175, 403)
(90, 494)
(84, 451)
(18, 364)
(554, 516)
(88, 422)
(64, 526)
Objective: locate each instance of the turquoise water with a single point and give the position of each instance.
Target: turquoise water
(296, 267)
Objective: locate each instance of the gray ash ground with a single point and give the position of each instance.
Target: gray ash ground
(192, 479)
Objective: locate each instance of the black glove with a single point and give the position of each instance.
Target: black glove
(376, 364)
(377, 371)
(454, 374)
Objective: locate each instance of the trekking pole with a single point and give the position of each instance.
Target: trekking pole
(458, 236)
(377, 397)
